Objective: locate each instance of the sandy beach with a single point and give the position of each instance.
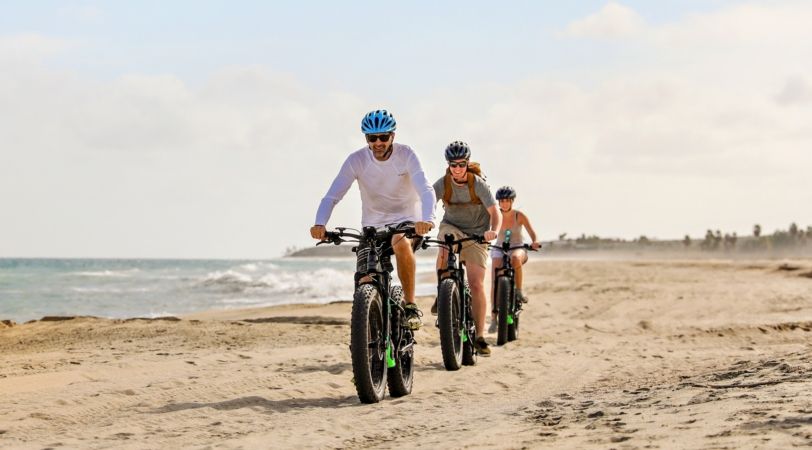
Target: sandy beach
(611, 354)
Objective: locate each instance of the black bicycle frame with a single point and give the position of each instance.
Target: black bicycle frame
(507, 271)
(378, 269)
(456, 271)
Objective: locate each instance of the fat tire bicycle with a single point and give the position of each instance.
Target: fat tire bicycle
(455, 317)
(508, 308)
(381, 343)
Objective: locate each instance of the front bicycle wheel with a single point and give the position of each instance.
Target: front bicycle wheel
(368, 344)
(400, 377)
(502, 299)
(449, 319)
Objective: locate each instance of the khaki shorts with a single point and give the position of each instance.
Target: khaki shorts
(472, 253)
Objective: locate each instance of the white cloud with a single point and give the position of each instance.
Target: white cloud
(149, 165)
(30, 47)
(87, 14)
(796, 91)
(612, 21)
(750, 25)
(683, 138)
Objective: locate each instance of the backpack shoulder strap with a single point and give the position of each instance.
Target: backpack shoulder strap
(472, 191)
(448, 190)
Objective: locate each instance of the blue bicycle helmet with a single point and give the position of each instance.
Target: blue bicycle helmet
(457, 150)
(378, 121)
(505, 192)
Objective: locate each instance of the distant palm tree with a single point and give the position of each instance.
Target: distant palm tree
(708, 242)
(756, 230)
(687, 241)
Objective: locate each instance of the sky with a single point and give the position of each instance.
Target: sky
(212, 129)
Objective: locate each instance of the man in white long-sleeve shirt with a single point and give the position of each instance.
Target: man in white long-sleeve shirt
(394, 189)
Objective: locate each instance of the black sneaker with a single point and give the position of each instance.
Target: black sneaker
(521, 296)
(482, 347)
(412, 316)
(434, 307)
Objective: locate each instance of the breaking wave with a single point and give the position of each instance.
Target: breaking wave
(324, 283)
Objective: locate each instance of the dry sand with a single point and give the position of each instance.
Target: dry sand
(612, 354)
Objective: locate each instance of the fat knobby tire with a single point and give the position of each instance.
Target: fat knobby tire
(401, 377)
(503, 303)
(368, 363)
(449, 315)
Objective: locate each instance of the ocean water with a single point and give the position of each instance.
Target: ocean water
(124, 288)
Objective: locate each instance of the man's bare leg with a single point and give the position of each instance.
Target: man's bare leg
(476, 278)
(442, 258)
(516, 261)
(404, 255)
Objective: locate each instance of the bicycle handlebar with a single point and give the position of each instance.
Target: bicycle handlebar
(448, 243)
(523, 247)
(369, 233)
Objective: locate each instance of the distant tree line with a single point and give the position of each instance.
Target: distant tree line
(596, 242)
(792, 239)
(780, 239)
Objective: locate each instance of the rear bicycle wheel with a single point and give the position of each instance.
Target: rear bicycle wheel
(449, 319)
(502, 297)
(367, 344)
(468, 352)
(400, 377)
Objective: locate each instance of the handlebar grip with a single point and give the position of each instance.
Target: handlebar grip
(331, 237)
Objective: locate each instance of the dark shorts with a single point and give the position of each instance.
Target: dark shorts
(385, 263)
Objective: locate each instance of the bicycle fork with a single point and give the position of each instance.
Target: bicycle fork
(468, 313)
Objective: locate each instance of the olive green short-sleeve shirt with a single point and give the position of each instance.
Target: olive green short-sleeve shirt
(470, 218)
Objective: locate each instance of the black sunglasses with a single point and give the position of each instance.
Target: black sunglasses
(458, 164)
(375, 137)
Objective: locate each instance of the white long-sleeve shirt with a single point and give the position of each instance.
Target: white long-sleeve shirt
(392, 191)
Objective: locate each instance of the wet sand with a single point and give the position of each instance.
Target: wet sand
(611, 354)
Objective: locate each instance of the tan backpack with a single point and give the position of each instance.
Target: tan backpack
(473, 170)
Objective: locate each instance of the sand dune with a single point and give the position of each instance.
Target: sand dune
(612, 354)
